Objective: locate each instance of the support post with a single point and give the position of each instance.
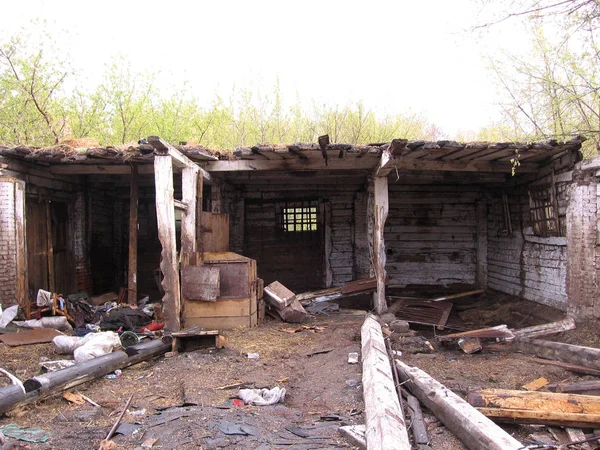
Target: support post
(189, 180)
(199, 201)
(133, 237)
(169, 266)
(22, 293)
(381, 207)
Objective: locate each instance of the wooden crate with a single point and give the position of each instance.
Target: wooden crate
(236, 305)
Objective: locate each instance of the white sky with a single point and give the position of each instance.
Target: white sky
(394, 55)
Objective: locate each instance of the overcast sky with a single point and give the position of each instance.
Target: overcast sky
(394, 55)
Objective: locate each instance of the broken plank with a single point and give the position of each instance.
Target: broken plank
(577, 435)
(569, 367)
(278, 295)
(546, 329)
(500, 331)
(474, 429)
(541, 417)
(355, 434)
(461, 295)
(575, 388)
(571, 354)
(386, 426)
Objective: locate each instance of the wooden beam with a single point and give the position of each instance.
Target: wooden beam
(162, 148)
(385, 422)
(178, 204)
(133, 237)
(22, 291)
(50, 248)
(545, 329)
(474, 429)
(381, 207)
(383, 168)
(199, 201)
(165, 214)
(400, 162)
(293, 164)
(99, 169)
(189, 179)
(542, 417)
(571, 354)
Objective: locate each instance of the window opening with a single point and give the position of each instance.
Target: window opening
(543, 207)
(299, 217)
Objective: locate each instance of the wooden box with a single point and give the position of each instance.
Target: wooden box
(236, 305)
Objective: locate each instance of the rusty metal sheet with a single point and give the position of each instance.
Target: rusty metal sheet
(200, 283)
(35, 336)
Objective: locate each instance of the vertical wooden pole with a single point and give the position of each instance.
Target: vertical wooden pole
(482, 230)
(133, 237)
(169, 266)
(381, 206)
(22, 293)
(199, 201)
(50, 246)
(189, 180)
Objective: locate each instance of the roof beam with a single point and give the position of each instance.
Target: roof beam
(99, 169)
(163, 148)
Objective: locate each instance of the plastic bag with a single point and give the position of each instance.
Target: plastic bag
(99, 344)
(262, 397)
(59, 323)
(8, 315)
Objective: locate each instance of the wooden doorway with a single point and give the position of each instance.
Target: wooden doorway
(50, 261)
(287, 238)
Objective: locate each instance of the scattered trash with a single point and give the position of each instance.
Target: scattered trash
(33, 435)
(59, 364)
(353, 358)
(232, 386)
(139, 412)
(74, 398)
(127, 429)
(99, 344)
(253, 355)
(233, 429)
(293, 330)
(148, 443)
(129, 338)
(319, 352)
(238, 402)
(470, 345)
(351, 383)
(283, 380)
(263, 397)
(114, 376)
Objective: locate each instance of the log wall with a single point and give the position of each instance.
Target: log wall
(431, 234)
(343, 198)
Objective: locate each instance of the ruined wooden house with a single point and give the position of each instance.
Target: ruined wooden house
(516, 218)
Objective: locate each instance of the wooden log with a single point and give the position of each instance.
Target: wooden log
(569, 367)
(42, 386)
(133, 237)
(575, 388)
(381, 208)
(541, 417)
(474, 429)
(418, 425)
(386, 426)
(546, 329)
(571, 354)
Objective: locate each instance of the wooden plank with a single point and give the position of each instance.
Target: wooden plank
(385, 422)
(165, 215)
(215, 231)
(189, 178)
(98, 169)
(278, 295)
(545, 329)
(220, 308)
(22, 288)
(133, 237)
(541, 417)
(162, 148)
(50, 247)
(474, 429)
(222, 323)
(199, 201)
(35, 336)
(200, 283)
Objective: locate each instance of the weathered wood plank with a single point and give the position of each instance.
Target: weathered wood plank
(200, 283)
(571, 354)
(189, 178)
(22, 289)
(381, 207)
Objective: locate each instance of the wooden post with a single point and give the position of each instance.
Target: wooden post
(386, 426)
(199, 201)
(381, 207)
(572, 354)
(133, 237)
(50, 246)
(482, 245)
(189, 180)
(165, 214)
(474, 429)
(22, 293)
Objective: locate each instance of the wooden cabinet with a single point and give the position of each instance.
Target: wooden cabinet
(236, 304)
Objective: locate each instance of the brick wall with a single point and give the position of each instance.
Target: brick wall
(8, 263)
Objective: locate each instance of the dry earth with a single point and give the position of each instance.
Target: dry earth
(176, 400)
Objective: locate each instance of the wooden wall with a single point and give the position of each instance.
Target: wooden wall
(521, 263)
(344, 201)
(431, 234)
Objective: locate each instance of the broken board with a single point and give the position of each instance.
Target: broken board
(279, 296)
(200, 283)
(35, 336)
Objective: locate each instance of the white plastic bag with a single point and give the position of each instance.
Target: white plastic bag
(101, 344)
(8, 315)
(262, 397)
(59, 323)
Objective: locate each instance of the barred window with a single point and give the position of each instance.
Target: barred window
(543, 206)
(301, 217)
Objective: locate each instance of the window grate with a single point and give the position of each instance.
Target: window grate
(299, 217)
(543, 207)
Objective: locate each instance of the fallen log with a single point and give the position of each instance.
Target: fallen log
(575, 388)
(571, 354)
(474, 429)
(569, 367)
(42, 386)
(385, 423)
(418, 425)
(545, 329)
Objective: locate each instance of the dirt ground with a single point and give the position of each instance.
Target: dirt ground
(177, 401)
